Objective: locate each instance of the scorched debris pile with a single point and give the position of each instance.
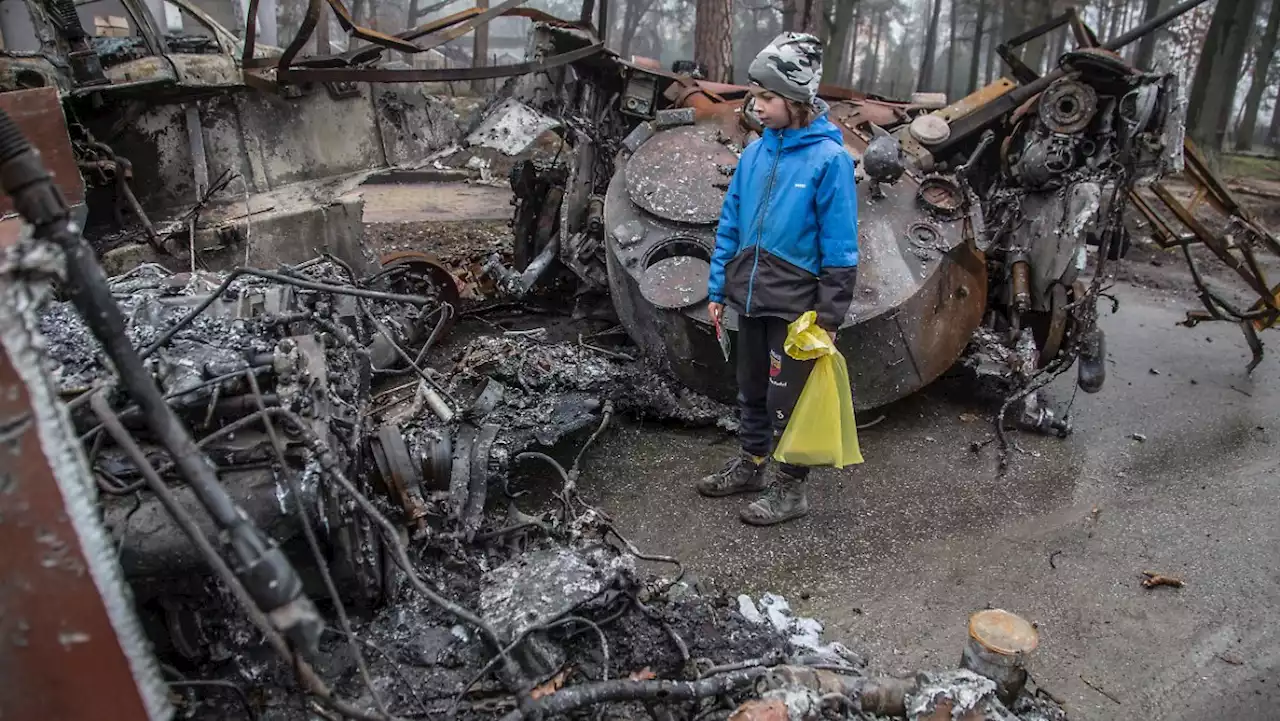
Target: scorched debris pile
(380, 490)
(362, 567)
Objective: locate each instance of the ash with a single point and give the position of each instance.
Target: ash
(544, 370)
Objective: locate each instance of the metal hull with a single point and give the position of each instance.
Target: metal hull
(922, 284)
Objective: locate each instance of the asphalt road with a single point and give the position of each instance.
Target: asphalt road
(899, 551)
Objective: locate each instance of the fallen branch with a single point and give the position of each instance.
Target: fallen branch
(1152, 580)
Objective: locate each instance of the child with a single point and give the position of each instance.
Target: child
(787, 243)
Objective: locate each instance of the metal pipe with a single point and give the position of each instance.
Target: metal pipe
(533, 273)
(1152, 24)
(1020, 272)
(437, 404)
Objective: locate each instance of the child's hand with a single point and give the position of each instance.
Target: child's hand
(715, 310)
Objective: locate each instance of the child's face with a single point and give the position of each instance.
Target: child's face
(772, 109)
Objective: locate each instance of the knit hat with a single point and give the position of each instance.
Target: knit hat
(790, 66)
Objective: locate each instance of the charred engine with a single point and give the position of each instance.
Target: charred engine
(1101, 119)
(255, 346)
(1067, 167)
(289, 379)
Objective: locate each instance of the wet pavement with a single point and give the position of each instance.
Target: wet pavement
(898, 552)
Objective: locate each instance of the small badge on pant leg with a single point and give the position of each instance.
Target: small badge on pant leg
(775, 370)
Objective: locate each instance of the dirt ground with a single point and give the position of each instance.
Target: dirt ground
(899, 551)
(457, 221)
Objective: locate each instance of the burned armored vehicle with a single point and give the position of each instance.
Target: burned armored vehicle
(975, 217)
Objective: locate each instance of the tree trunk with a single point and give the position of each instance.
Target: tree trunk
(1273, 132)
(1261, 63)
(713, 39)
(1059, 46)
(900, 70)
(1146, 54)
(359, 12)
(323, 47)
(851, 52)
(949, 87)
(631, 18)
(1113, 25)
(978, 31)
(480, 49)
(411, 13)
(1012, 22)
(807, 17)
(1132, 16)
(993, 38)
(626, 35)
(1033, 55)
(929, 50)
(1218, 72)
(833, 64)
(871, 68)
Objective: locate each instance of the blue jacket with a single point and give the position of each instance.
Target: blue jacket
(787, 241)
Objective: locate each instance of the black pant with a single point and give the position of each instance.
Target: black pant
(769, 384)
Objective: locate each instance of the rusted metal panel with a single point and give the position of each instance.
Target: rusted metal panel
(60, 656)
(31, 72)
(976, 99)
(676, 174)
(1211, 240)
(207, 71)
(38, 113)
(852, 115)
(150, 69)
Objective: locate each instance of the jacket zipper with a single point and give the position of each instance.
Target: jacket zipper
(768, 196)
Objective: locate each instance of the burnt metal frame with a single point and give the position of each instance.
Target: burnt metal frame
(1265, 312)
(438, 32)
(1084, 36)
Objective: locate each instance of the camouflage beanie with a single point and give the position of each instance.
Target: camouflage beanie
(790, 66)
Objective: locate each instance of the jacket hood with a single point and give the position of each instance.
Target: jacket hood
(820, 129)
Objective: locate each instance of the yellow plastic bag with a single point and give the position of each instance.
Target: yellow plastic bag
(821, 431)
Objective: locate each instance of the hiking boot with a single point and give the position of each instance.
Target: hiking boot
(783, 501)
(743, 474)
